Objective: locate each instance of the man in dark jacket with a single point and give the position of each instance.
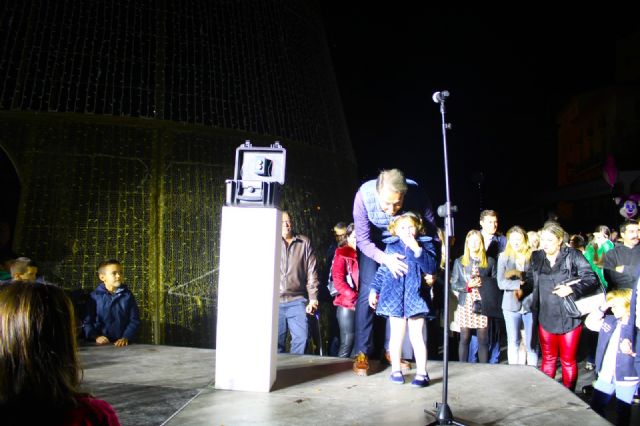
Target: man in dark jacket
(112, 314)
(298, 283)
(622, 263)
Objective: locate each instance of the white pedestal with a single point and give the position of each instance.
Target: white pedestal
(248, 295)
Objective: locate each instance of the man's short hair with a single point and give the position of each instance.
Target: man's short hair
(627, 223)
(486, 213)
(339, 226)
(106, 263)
(20, 265)
(393, 180)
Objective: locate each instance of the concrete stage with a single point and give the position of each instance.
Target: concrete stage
(166, 385)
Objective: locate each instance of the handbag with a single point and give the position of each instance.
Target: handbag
(477, 306)
(331, 287)
(586, 304)
(570, 307)
(333, 291)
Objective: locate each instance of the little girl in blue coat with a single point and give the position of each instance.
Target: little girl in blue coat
(404, 299)
(614, 356)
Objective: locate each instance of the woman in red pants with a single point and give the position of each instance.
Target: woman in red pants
(559, 333)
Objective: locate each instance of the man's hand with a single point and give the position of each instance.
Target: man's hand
(311, 307)
(121, 342)
(102, 340)
(429, 279)
(373, 299)
(396, 266)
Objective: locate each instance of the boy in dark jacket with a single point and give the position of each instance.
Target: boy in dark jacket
(112, 315)
(614, 357)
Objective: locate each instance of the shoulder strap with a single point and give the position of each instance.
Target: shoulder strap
(331, 267)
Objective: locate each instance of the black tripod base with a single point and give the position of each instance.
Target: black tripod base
(443, 416)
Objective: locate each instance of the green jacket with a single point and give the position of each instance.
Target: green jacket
(590, 254)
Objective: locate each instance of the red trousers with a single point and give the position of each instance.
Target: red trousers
(567, 346)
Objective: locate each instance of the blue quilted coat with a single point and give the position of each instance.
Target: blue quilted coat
(405, 296)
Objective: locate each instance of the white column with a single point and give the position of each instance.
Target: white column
(248, 299)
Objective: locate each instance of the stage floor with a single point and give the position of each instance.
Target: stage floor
(167, 385)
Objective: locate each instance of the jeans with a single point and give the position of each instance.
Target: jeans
(346, 321)
(600, 400)
(292, 316)
(566, 345)
(513, 322)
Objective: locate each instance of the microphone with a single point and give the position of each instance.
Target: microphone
(440, 96)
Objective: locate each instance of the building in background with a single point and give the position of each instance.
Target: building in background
(592, 127)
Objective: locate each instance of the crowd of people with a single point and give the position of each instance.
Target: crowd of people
(388, 266)
(385, 275)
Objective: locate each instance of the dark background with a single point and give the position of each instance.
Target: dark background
(509, 73)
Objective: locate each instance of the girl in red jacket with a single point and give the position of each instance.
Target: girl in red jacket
(344, 272)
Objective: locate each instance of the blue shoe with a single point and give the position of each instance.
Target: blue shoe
(421, 381)
(397, 377)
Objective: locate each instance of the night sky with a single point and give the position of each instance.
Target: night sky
(508, 77)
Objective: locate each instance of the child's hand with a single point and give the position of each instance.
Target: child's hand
(373, 299)
(429, 279)
(121, 342)
(102, 340)
(410, 241)
(625, 347)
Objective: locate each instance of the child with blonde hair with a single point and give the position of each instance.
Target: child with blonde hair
(614, 357)
(404, 299)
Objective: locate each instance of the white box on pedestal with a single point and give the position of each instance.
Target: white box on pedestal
(248, 299)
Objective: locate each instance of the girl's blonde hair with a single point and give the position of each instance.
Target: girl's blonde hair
(510, 252)
(466, 257)
(622, 294)
(414, 218)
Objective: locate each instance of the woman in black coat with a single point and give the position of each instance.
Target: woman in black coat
(559, 333)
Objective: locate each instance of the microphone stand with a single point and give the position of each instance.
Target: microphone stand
(443, 415)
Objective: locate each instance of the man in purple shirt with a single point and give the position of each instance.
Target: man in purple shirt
(375, 203)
